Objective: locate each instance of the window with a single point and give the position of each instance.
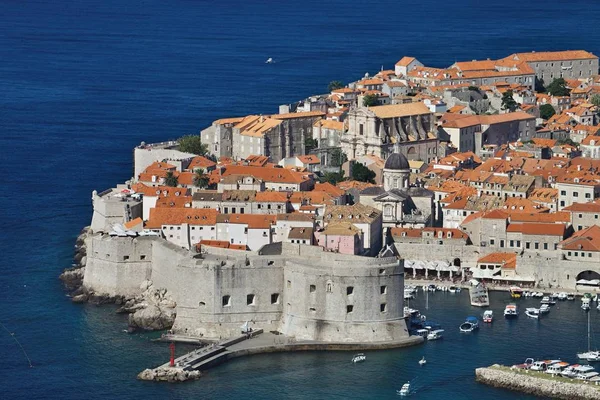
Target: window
(312, 310)
(501, 243)
(383, 289)
(536, 245)
(125, 258)
(512, 243)
(545, 246)
(349, 290)
(381, 271)
(383, 307)
(569, 253)
(289, 284)
(329, 287)
(142, 257)
(580, 215)
(589, 254)
(226, 300)
(576, 254)
(312, 288)
(275, 298)
(349, 309)
(588, 196)
(575, 194)
(250, 299)
(562, 203)
(518, 243)
(361, 129)
(492, 241)
(231, 241)
(246, 230)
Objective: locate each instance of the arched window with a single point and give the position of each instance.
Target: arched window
(329, 287)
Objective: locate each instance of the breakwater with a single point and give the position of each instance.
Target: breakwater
(537, 383)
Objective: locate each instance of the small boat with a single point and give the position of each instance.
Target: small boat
(360, 357)
(422, 332)
(571, 371)
(562, 296)
(435, 335)
(431, 288)
(589, 355)
(540, 365)
(516, 292)
(538, 294)
(527, 294)
(557, 368)
(452, 289)
(422, 361)
(570, 296)
(532, 312)
(586, 376)
(405, 391)
(585, 303)
(408, 295)
(526, 365)
(488, 316)
(269, 61)
(511, 311)
(544, 309)
(458, 289)
(548, 300)
(470, 324)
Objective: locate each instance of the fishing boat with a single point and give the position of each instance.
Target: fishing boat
(422, 361)
(488, 316)
(470, 324)
(589, 355)
(516, 292)
(532, 312)
(435, 335)
(511, 311)
(405, 391)
(479, 294)
(360, 357)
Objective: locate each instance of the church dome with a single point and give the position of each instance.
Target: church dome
(396, 161)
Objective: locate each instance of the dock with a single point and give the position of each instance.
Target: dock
(537, 383)
(258, 342)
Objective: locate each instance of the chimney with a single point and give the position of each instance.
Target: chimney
(262, 119)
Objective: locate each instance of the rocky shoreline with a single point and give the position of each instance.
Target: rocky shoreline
(502, 377)
(168, 374)
(153, 309)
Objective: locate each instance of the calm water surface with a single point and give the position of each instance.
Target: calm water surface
(84, 81)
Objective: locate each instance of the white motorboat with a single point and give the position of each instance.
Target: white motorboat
(538, 294)
(532, 312)
(544, 309)
(422, 332)
(405, 391)
(360, 357)
(527, 293)
(557, 368)
(511, 311)
(543, 365)
(470, 324)
(548, 300)
(526, 365)
(422, 361)
(269, 61)
(589, 355)
(586, 376)
(452, 289)
(562, 296)
(432, 288)
(586, 303)
(570, 296)
(435, 335)
(488, 316)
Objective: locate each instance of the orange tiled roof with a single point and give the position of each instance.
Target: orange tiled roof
(537, 229)
(223, 244)
(548, 218)
(404, 61)
(309, 159)
(507, 260)
(267, 174)
(329, 189)
(134, 222)
(583, 207)
(201, 162)
(586, 239)
(540, 56)
(254, 221)
(178, 216)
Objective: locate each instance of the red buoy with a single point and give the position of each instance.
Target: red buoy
(172, 347)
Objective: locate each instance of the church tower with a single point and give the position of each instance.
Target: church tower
(396, 172)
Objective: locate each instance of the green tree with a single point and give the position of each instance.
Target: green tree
(335, 85)
(595, 100)
(558, 87)
(309, 144)
(338, 157)
(473, 88)
(200, 180)
(540, 86)
(171, 179)
(192, 144)
(370, 100)
(567, 141)
(362, 173)
(546, 111)
(508, 102)
(333, 177)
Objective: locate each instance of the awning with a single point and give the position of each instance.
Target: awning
(593, 282)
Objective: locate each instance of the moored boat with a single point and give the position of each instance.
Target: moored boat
(511, 311)
(562, 296)
(488, 316)
(570, 296)
(586, 303)
(516, 292)
(544, 309)
(532, 312)
(526, 365)
(360, 357)
(436, 334)
(557, 368)
(470, 324)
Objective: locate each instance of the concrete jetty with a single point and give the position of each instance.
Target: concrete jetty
(537, 383)
(257, 342)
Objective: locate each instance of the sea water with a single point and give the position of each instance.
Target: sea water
(82, 82)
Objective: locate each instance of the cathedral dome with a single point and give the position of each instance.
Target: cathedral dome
(396, 161)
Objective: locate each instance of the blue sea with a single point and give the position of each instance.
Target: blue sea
(82, 82)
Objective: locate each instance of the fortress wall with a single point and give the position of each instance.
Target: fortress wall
(117, 266)
(430, 252)
(143, 157)
(317, 297)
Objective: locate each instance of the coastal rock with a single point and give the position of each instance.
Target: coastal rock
(72, 278)
(154, 309)
(100, 298)
(168, 374)
(80, 298)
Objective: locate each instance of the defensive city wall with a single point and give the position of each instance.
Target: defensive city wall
(300, 291)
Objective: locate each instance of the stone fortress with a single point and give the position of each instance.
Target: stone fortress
(296, 290)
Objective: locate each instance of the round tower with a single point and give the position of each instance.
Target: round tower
(396, 172)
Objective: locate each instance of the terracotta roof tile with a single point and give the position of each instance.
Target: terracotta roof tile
(178, 216)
